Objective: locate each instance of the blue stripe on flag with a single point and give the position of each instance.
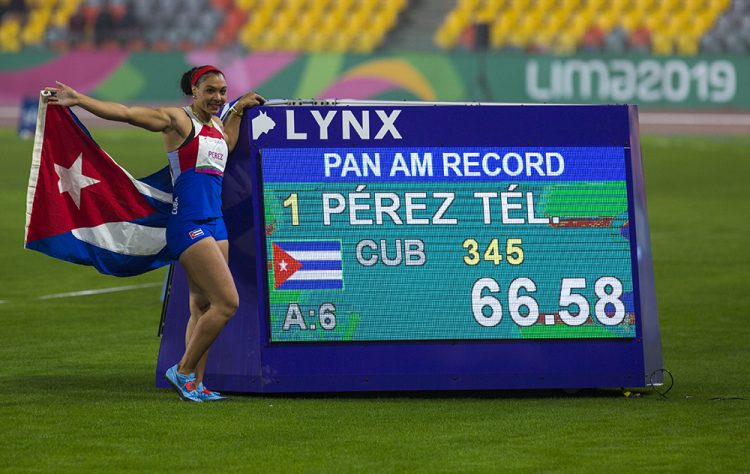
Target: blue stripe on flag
(320, 265)
(81, 125)
(311, 285)
(309, 246)
(67, 247)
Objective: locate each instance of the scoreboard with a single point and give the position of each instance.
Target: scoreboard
(398, 246)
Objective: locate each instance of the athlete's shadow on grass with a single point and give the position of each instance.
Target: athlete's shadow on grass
(466, 394)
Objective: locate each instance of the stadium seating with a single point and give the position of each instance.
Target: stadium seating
(133, 24)
(261, 25)
(10, 32)
(28, 25)
(317, 25)
(543, 26)
(565, 26)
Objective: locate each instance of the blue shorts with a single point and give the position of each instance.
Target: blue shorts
(181, 234)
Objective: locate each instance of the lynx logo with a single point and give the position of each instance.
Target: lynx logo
(262, 124)
(349, 120)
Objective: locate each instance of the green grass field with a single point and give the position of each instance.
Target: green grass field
(77, 373)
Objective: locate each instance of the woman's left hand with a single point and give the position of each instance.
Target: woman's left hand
(251, 99)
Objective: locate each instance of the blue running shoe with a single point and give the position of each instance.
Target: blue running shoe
(184, 384)
(208, 396)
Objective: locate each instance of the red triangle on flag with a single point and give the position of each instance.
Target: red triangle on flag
(66, 146)
(284, 266)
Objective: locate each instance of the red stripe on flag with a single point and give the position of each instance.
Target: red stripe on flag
(113, 199)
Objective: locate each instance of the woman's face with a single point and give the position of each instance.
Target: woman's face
(210, 93)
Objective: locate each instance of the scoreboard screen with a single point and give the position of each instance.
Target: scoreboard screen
(384, 246)
(416, 243)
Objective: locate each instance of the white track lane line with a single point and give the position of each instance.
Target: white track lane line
(98, 292)
(702, 119)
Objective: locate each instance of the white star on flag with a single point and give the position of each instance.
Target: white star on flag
(72, 180)
(283, 265)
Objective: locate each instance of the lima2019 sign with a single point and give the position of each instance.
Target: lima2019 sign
(624, 80)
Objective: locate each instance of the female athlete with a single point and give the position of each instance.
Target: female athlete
(197, 145)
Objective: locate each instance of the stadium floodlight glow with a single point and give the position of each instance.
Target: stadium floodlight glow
(411, 246)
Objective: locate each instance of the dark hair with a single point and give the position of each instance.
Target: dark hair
(186, 80)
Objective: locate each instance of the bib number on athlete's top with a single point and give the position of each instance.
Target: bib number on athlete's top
(212, 155)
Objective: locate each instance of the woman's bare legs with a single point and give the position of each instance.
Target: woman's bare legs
(199, 304)
(208, 272)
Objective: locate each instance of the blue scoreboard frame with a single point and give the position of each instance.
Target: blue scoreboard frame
(248, 357)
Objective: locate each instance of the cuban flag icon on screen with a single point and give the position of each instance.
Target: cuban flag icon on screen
(307, 265)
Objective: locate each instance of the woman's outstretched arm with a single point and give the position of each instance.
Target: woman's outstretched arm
(155, 120)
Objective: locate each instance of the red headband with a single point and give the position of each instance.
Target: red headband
(201, 71)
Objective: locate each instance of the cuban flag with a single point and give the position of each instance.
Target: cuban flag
(82, 207)
(224, 112)
(307, 265)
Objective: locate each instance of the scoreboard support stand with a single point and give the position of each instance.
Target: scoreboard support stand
(383, 246)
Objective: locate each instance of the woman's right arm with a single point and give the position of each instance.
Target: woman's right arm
(155, 120)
